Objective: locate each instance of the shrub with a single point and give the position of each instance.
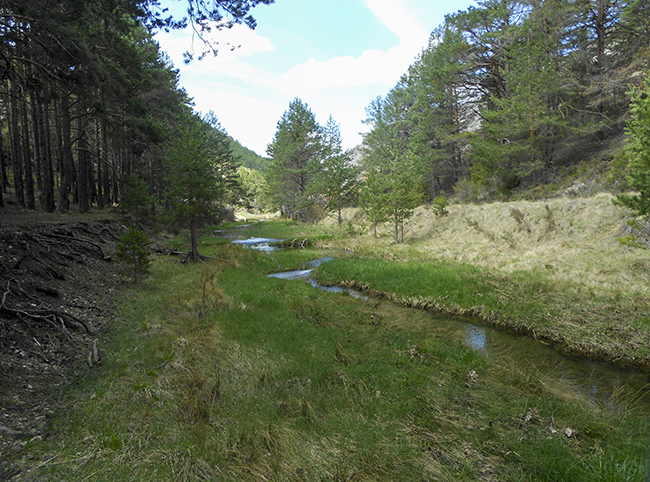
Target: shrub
(638, 154)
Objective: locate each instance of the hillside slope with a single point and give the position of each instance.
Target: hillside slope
(569, 238)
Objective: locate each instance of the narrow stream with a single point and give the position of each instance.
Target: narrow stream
(604, 384)
(262, 244)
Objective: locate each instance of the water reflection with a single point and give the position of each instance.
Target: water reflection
(305, 275)
(261, 244)
(606, 385)
(476, 338)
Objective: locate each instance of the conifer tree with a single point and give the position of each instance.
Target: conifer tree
(338, 176)
(192, 181)
(393, 172)
(132, 250)
(638, 152)
(295, 154)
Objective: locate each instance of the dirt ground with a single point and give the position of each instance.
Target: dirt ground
(58, 282)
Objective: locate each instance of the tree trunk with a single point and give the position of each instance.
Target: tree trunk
(106, 166)
(100, 167)
(83, 190)
(600, 21)
(67, 166)
(47, 174)
(116, 184)
(30, 202)
(3, 166)
(194, 255)
(16, 153)
(3, 172)
(396, 228)
(38, 146)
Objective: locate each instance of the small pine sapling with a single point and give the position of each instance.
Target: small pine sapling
(132, 250)
(439, 206)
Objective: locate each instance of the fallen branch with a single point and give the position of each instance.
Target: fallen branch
(4, 296)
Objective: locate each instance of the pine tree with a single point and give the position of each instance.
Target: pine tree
(338, 177)
(295, 154)
(192, 181)
(228, 187)
(638, 152)
(132, 250)
(392, 171)
(521, 126)
(444, 107)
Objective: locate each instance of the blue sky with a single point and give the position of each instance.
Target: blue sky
(335, 55)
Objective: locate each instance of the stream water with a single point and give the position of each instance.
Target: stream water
(602, 383)
(262, 244)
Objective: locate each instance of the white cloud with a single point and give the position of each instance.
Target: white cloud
(373, 66)
(392, 14)
(249, 100)
(234, 46)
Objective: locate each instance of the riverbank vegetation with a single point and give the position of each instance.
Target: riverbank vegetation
(555, 270)
(217, 372)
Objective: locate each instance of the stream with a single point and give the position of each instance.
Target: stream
(604, 384)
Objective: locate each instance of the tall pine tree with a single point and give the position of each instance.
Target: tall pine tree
(295, 152)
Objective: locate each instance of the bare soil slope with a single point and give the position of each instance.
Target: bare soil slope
(57, 287)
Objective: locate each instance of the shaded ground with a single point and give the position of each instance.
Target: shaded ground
(57, 287)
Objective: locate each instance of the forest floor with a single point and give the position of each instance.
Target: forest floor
(57, 284)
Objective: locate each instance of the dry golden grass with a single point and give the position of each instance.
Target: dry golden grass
(572, 239)
(591, 290)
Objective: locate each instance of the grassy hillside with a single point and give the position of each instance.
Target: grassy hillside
(554, 270)
(574, 239)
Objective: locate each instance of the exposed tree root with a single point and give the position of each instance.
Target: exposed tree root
(56, 287)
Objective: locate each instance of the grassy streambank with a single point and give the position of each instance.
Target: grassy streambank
(552, 270)
(527, 303)
(217, 372)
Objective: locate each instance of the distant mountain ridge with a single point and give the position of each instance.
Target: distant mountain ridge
(247, 157)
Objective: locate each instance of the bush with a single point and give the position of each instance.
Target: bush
(135, 199)
(638, 154)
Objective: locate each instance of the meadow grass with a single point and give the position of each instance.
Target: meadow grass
(526, 302)
(217, 372)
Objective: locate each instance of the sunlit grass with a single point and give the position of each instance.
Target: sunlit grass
(217, 372)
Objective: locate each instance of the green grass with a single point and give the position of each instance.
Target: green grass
(217, 372)
(575, 318)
